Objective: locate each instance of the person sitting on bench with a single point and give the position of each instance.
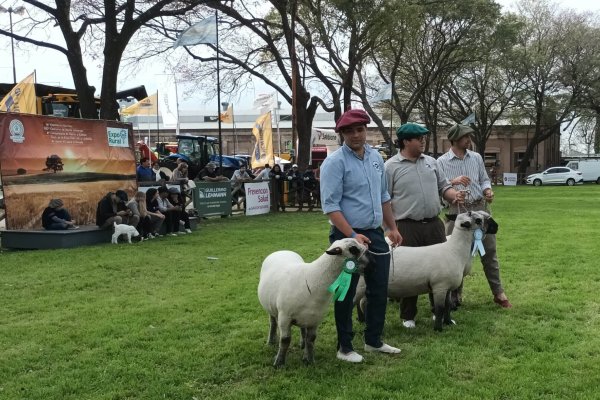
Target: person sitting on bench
(56, 217)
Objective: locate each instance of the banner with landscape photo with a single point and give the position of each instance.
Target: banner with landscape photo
(77, 160)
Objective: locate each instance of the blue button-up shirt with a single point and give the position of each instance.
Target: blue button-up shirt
(356, 187)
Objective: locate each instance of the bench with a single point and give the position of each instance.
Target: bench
(86, 235)
(42, 239)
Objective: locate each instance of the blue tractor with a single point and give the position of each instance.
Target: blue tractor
(197, 151)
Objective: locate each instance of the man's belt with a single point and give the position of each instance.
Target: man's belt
(422, 221)
(470, 203)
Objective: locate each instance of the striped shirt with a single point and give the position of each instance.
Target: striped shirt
(472, 166)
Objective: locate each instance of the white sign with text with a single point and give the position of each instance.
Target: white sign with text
(258, 198)
(510, 179)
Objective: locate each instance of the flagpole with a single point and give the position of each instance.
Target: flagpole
(176, 104)
(34, 85)
(157, 126)
(219, 95)
(277, 122)
(391, 115)
(234, 131)
(294, 83)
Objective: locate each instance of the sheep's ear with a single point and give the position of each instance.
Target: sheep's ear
(466, 224)
(334, 252)
(355, 251)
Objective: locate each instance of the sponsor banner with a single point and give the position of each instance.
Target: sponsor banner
(213, 198)
(324, 137)
(21, 99)
(263, 149)
(43, 158)
(258, 198)
(510, 179)
(118, 137)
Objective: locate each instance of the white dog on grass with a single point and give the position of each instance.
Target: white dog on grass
(123, 229)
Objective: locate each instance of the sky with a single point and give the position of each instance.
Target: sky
(52, 68)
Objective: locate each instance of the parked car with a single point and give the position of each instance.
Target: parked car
(556, 176)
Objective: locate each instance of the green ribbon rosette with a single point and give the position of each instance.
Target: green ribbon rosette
(340, 286)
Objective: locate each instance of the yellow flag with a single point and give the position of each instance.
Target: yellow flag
(227, 116)
(147, 106)
(263, 149)
(21, 99)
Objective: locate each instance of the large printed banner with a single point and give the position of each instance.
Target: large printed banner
(263, 149)
(76, 160)
(213, 198)
(258, 198)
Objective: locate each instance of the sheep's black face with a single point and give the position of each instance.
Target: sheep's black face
(355, 251)
(492, 226)
(349, 248)
(473, 219)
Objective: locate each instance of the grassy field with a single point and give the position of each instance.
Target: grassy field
(178, 318)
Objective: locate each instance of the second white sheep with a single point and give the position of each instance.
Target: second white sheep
(436, 269)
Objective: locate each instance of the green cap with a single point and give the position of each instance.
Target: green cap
(410, 131)
(458, 131)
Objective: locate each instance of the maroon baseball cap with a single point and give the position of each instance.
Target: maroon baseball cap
(351, 118)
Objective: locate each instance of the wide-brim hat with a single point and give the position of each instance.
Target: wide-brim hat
(410, 130)
(458, 131)
(352, 118)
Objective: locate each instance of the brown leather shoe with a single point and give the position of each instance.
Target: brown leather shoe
(502, 303)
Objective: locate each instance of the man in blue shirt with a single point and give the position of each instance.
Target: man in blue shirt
(354, 196)
(144, 172)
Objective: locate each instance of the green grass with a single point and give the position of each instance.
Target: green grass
(159, 320)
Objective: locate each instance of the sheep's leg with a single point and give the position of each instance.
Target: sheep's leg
(439, 307)
(361, 306)
(272, 330)
(309, 350)
(285, 338)
(448, 309)
(303, 340)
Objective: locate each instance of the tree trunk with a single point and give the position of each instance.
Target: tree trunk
(109, 108)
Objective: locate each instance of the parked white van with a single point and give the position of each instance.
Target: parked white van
(589, 167)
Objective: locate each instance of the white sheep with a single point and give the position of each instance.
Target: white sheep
(436, 269)
(295, 293)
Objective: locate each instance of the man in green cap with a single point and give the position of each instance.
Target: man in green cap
(466, 171)
(415, 184)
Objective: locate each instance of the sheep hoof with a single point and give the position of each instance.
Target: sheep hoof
(279, 363)
(308, 361)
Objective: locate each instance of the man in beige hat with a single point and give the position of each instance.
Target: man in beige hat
(466, 171)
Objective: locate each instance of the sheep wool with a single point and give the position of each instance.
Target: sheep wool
(294, 292)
